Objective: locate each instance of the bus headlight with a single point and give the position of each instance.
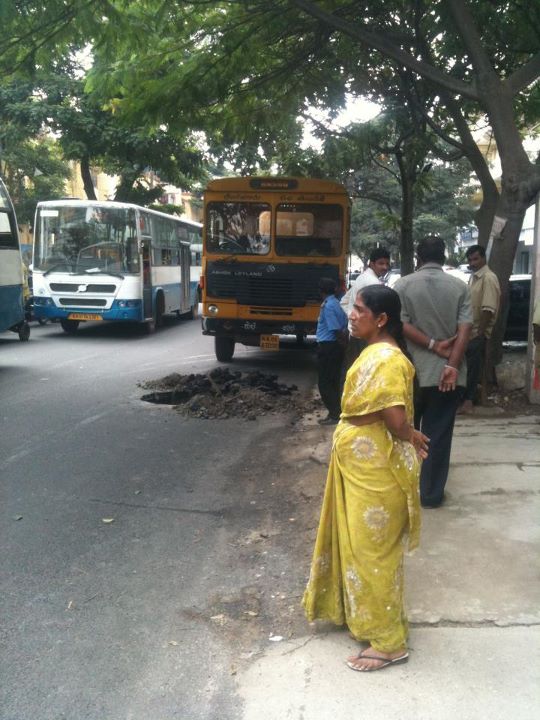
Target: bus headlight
(43, 301)
(213, 309)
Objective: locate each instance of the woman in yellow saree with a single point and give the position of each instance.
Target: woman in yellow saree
(371, 506)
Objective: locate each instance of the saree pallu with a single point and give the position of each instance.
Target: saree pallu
(370, 509)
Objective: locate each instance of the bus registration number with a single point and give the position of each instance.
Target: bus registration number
(84, 316)
(269, 342)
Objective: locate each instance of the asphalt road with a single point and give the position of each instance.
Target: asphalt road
(116, 520)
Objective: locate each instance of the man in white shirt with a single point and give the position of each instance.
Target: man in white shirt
(379, 264)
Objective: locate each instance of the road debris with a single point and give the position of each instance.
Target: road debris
(222, 393)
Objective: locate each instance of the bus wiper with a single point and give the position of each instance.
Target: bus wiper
(55, 267)
(97, 271)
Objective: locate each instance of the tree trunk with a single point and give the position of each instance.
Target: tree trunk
(485, 214)
(87, 178)
(501, 261)
(490, 193)
(125, 186)
(407, 211)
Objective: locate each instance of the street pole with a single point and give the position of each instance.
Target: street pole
(532, 393)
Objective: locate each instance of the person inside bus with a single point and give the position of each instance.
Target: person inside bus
(244, 243)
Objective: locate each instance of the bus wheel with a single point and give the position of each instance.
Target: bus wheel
(224, 347)
(194, 312)
(24, 332)
(69, 326)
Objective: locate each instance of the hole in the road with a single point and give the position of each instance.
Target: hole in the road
(222, 393)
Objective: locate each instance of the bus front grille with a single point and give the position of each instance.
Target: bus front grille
(263, 311)
(267, 285)
(80, 301)
(74, 287)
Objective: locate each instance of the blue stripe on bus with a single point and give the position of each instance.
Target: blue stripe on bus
(115, 313)
(11, 306)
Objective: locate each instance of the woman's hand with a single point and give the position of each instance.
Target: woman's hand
(420, 442)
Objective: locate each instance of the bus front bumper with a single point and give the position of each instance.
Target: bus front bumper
(120, 310)
(241, 328)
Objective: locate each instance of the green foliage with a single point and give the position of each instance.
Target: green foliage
(246, 73)
(34, 170)
(57, 103)
(168, 208)
(445, 209)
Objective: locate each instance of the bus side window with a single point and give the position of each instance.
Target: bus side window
(8, 239)
(166, 258)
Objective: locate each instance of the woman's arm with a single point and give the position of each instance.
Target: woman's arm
(396, 421)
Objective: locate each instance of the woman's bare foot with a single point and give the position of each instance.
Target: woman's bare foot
(370, 659)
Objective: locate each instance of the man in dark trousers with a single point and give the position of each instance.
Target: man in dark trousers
(331, 338)
(437, 319)
(485, 300)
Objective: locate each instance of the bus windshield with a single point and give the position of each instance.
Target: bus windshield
(309, 230)
(238, 228)
(85, 239)
(301, 229)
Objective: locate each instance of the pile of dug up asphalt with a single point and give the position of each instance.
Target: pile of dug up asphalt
(221, 393)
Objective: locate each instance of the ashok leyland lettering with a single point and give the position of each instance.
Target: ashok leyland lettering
(110, 261)
(266, 244)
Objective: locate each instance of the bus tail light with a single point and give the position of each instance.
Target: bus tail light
(201, 282)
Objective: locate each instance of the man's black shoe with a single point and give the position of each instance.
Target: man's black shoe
(432, 505)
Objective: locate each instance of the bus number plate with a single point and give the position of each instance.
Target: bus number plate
(269, 342)
(84, 316)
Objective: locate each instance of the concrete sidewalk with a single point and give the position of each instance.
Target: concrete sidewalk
(473, 599)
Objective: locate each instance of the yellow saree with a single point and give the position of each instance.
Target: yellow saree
(370, 507)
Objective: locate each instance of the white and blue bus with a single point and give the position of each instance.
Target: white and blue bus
(12, 316)
(196, 267)
(110, 261)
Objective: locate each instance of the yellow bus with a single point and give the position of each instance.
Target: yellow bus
(267, 241)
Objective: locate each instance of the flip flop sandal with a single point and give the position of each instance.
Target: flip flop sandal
(385, 662)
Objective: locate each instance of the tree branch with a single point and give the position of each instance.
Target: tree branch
(384, 167)
(381, 43)
(471, 37)
(524, 76)
(379, 199)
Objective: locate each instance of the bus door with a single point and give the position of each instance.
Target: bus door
(185, 282)
(146, 250)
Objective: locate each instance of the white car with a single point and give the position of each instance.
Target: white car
(456, 272)
(394, 275)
